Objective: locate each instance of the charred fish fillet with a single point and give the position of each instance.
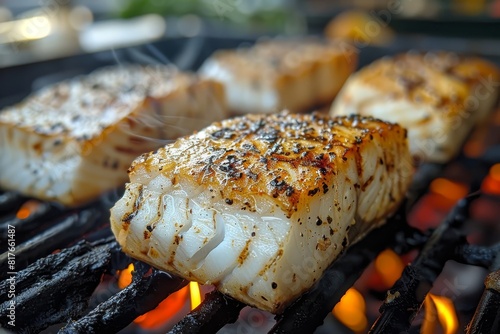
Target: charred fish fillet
(276, 75)
(74, 140)
(438, 97)
(259, 205)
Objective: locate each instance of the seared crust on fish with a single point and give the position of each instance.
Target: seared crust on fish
(261, 205)
(438, 97)
(281, 74)
(74, 140)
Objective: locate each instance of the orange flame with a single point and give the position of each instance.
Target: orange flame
(439, 313)
(125, 276)
(194, 292)
(389, 266)
(351, 311)
(168, 308)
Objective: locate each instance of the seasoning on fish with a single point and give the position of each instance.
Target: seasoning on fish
(437, 96)
(281, 74)
(261, 205)
(74, 140)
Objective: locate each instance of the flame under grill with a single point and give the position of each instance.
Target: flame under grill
(61, 257)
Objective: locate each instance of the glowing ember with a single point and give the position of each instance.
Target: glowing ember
(439, 313)
(194, 292)
(351, 311)
(495, 172)
(450, 190)
(490, 186)
(26, 209)
(389, 266)
(491, 183)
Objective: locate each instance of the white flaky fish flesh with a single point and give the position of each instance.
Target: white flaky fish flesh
(438, 97)
(281, 74)
(260, 205)
(72, 141)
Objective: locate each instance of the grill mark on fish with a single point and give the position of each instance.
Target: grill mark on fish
(127, 218)
(367, 183)
(244, 253)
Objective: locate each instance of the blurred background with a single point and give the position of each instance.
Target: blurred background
(34, 30)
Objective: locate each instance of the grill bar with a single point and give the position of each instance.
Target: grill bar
(210, 316)
(55, 288)
(405, 298)
(29, 226)
(10, 201)
(487, 316)
(60, 235)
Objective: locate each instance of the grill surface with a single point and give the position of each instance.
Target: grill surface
(53, 287)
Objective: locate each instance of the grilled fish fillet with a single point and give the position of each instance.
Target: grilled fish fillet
(274, 75)
(438, 97)
(72, 141)
(259, 205)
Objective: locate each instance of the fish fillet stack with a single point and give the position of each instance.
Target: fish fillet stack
(74, 140)
(259, 205)
(438, 97)
(281, 74)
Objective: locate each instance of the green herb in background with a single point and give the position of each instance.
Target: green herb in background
(271, 14)
(133, 8)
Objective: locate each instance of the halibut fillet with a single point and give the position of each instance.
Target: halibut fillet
(74, 140)
(281, 74)
(437, 96)
(260, 205)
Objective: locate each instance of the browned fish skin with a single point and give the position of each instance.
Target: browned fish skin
(244, 203)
